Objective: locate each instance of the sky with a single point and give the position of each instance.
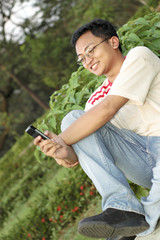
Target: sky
(20, 12)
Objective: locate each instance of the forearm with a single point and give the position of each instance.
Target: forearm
(92, 120)
(88, 123)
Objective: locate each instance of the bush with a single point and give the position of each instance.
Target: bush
(139, 32)
(142, 32)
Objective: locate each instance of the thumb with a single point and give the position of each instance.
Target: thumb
(50, 134)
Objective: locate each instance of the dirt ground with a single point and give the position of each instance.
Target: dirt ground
(154, 236)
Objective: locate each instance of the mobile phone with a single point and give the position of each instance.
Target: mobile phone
(34, 132)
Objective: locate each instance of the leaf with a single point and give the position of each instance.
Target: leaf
(77, 107)
(91, 83)
(53, 122)
(43, 127)
(72, 100)
(78, 97)
(136, 29)
(74, 81)
(156, 34)
(152, 47)
(134, 37)
(146, 33)
(37, 154)
(57, 112)
(157, 24)
(125, 28)
(141, 21)
(156, 43)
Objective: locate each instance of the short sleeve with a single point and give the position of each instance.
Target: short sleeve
(136, 75)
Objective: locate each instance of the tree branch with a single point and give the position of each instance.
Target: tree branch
(27, 89)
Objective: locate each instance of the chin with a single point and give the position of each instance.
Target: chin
(98, 74)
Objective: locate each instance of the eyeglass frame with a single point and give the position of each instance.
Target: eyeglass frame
(79, 62)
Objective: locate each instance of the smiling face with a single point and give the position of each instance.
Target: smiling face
(106, 58)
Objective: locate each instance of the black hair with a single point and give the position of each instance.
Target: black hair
(98, 27)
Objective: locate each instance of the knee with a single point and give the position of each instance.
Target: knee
(70, 118)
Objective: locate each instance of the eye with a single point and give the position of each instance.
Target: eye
(81, 60)
(89, 51)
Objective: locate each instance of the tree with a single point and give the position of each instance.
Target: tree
(15, 74)
(11, 71)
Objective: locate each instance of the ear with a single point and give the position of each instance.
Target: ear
(114, 42)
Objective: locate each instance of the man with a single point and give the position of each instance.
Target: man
(117, 137)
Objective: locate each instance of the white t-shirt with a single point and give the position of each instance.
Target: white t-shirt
(139, 81)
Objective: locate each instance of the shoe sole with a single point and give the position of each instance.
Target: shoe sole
(99, 230)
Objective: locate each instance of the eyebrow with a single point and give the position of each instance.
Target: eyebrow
(85, 48)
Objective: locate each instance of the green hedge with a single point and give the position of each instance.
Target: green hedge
(142, 32)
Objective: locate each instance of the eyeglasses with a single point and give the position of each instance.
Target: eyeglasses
(89, 53)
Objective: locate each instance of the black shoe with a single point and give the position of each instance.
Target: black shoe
(121, 238)
(113, 223)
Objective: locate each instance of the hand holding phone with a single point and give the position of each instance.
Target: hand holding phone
(34, 132)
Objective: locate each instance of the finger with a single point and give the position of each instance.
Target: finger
(50, 149)
(37, 140)
(61, 162)
(52, 152)
(64, 163)
(50, 134)
(44, 143)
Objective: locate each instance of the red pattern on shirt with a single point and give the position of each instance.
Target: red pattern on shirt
(101, 93)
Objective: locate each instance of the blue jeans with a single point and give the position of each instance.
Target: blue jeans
(110, 156)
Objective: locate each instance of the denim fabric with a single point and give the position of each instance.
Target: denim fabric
(110, 156)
